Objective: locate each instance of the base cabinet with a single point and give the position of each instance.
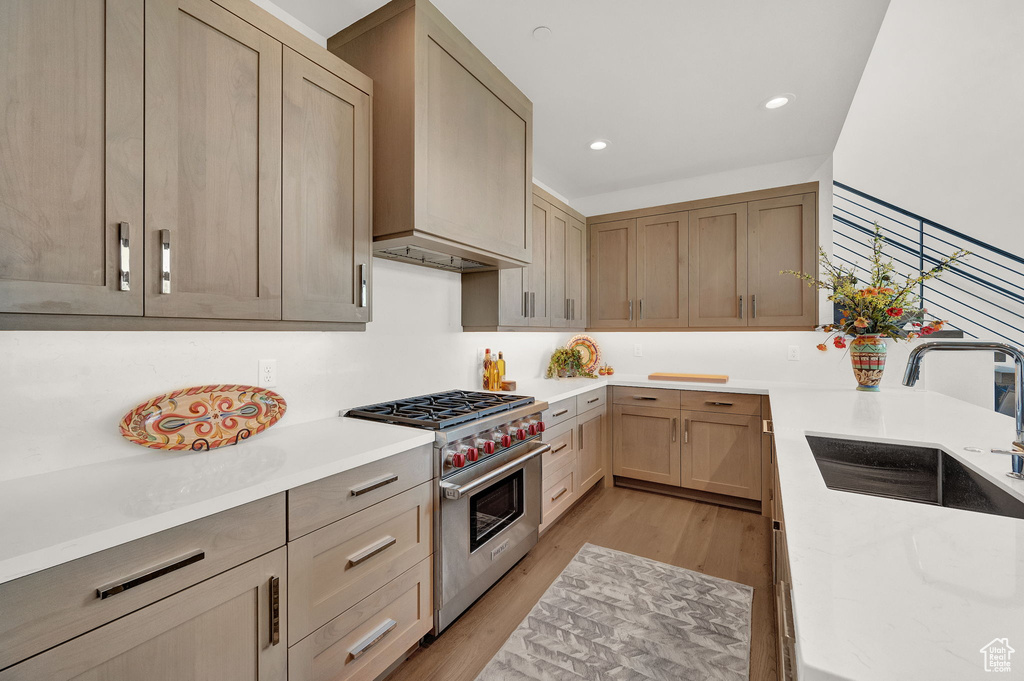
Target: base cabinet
(722, 453)
(227, 628)
(647, 444)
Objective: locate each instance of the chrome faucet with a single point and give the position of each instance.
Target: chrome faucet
(913, 372)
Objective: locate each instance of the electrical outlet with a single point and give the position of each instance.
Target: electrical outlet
(268, 373)
(638, 350)
(794, 353)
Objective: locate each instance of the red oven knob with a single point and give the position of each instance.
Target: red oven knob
(472, 454)
(540, 426)
(457, 460)
(489, 447)
(521, 434)
(533, 429)
(506, 440)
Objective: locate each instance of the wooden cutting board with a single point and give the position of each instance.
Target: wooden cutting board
(696, 378)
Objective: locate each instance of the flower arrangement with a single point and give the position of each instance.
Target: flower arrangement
(882, 307)
(567, 362)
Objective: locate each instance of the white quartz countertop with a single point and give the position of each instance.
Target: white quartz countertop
(56, 517)
(555, 389)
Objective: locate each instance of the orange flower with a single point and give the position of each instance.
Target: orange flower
(938, 325)
(860, 323)
(912, 335)
(869, 291)
(895, 312)
(822, 347)
(839, 342)
(886, 289)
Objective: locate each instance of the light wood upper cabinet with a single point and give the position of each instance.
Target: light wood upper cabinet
(453, 138)
(722, 453)
(662, 251)
(213, 164)
(782, 235)
(543, 226)
(558, 301)
(612, 274)
(71, 89)
(646, 444)
(576, 272)
(219, 629)
(326, 195)
(718, 266)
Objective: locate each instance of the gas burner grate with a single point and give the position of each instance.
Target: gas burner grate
(440, 410)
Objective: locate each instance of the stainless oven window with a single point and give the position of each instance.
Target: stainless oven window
(495, 508)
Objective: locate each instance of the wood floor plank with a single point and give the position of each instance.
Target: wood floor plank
(719, 541)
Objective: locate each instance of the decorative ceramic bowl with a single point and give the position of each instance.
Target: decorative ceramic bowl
(203, 417)
(589, 352)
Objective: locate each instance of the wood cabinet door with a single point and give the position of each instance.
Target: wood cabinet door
(646, 444)
(326, 195)
(591, 446)
(71, 84)
(722, 453)
(662, 252)
(537, 303)
(576, 273)
(213, 164)
(219, 629)
(558, 298)
(718, 266)
(612, 274)
(782, 234)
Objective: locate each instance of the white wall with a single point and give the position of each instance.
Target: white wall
(937, 124)
(292, 21)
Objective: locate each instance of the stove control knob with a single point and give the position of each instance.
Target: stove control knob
(540, 426)
(506, 440)
(485, 446)
(457, 460)
(521, 434)
(472, 454)
(533, 429)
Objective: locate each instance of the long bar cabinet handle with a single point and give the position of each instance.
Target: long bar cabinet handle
(275, 610)
(363, 294)
(149, 574)
(526, 303)
(675, 429)
(719, 404)
(372, 639)
(686, 431)
(630, 310)
(560, 493)
(559, 447)
(533, 304)
(373, 484)
(741, 307)
(371, 551)
(753, 306)
(165, 261)
(124, 251)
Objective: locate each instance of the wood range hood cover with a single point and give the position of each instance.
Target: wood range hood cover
(452, 143)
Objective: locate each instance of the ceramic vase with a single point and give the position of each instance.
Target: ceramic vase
(867, 353)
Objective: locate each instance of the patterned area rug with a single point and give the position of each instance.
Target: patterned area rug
(615, 616)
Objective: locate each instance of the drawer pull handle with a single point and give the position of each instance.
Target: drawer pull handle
(150, 574)
(645, 397)
(275, 610)
(560, 493)
(719, 404)
(370, 551)
(560, 413)
(593, 400)
(375, 484)
(372, 639)
(560, 447)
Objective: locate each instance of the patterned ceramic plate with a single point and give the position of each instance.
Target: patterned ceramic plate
(589, 351)
(203, 417)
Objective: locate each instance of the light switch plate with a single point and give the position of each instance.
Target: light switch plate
(268, 373)
(638, 350)
(794, 353)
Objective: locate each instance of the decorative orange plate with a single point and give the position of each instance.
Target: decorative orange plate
(203, 417)
(589, 352)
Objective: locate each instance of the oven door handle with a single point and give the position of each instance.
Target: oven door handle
(452, 491)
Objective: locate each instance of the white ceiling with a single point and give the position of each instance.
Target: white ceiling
(676, 86)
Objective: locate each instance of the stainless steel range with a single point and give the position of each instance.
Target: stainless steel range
(487, 503)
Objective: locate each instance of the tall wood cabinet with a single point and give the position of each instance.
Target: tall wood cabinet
(208, 100)
(715, 265)
(549, 293)
(71, 80)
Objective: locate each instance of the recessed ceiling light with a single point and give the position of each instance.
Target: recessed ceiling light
(541, 33)
(598, 145)
(778, 101)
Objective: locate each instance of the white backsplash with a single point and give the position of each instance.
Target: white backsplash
(64, 392)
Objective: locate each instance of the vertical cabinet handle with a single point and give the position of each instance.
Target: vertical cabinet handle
(165, 261)
(640, 310)
(675, 426)
(362, 285)
(686, 431)
(533, 304)
(275, 610)
(741, 307)
(630, 310)
(580, 438)
(526, 304)
(124, 248)
(753, 306)
(567, 315)
(574, 308)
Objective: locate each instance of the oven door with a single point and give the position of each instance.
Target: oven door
(488, 521)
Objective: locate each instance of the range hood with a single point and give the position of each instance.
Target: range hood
(417, 255)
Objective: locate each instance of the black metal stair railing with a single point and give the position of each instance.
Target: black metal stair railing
(983, 296)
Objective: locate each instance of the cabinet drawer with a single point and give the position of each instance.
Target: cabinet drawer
(371, 635)
(563, 446)
(319, 503)
(557, 412)
(724, 403)
(331, 569)
(591, 400)
(559, 493)
(49, 607)
(649, 397)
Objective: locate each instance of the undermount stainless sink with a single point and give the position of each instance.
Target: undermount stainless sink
(920, 474)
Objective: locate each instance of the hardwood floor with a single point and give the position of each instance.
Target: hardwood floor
(717, 541)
